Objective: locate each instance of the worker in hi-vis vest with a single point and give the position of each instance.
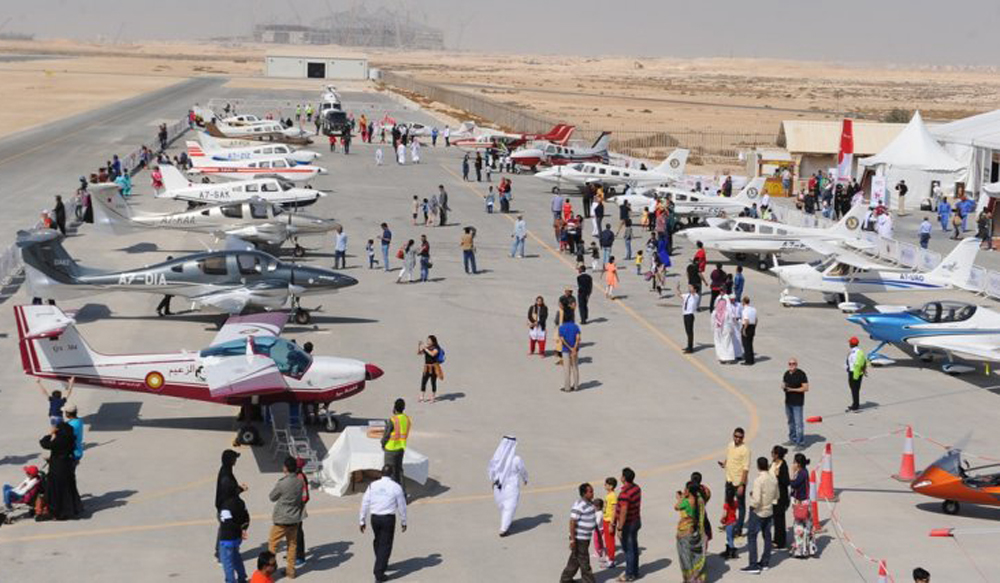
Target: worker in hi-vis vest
(857, 369)
(397, 429)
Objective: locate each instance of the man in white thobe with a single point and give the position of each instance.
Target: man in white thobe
(415, 151)
(736, 325)
(884, 225)
(722, 329)
(401, 153)
(506, 473)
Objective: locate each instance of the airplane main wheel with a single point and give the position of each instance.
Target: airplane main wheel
(556, 190)
(248, 435)
(302, 317)
(950, 507)
(331, 424)
(299, 251)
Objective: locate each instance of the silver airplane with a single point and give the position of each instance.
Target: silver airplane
(276, 190)
(254, 221)
(228, 281)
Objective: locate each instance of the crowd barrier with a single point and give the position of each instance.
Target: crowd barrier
(10, 258)
(981, 280)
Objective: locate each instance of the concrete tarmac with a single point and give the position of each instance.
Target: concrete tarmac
(149, 469)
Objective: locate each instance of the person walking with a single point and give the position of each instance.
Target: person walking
(409, 254)
(383, 501)
(689, 307)
(610, 278)
(519, 235)
(340, 248)
(506, 473)
(779, 469)
(737, 468)
(288, 508)
(468, 245)
(584, 287)
(717, 281)
(925, 232)
(691, 533)
(425, 258)
(447, 136)
(739, 282)
(556, 206)
(397, 431)
(627, 523)
(385, 239)
(538, 313)
(763, 496)
(479, 167)
(61, 493)
(465, 166)
(857, 368)
(803, 545)
(795, 384)
(748, 330)
(226, 485)
(582, 523)
(433, 357)
(60, 215)
(627, 237)
(443, 206)
(607, 241)
(569, 344)
(234, 520)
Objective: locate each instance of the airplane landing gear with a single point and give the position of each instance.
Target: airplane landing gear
(248, 435)
(330, 423)
(300, 315)
(299, 250)
(556, 190)
(950, 507)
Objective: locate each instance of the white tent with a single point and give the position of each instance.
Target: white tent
(916, 157)
(973, 141)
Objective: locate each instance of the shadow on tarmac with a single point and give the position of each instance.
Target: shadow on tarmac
(105, 501)
(528, 523)
(412, 565)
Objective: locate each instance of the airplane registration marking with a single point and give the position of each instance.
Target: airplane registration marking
(142, 278)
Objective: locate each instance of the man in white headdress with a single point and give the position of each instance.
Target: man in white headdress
(722, 329)
(736, 325)
(401, 153)
(378, 156)
(506, 474)
(415, 151)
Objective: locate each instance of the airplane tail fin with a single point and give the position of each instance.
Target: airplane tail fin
(194, 151)
(213, 130)
(602, 143)
(42, 250)
(208, 143)
(50, 345)
(112, 214)
(674, 164)
(850, 224)
(752, 191)
(173, 178)
(956, 267)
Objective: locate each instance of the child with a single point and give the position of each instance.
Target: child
(598, 532)
(595, 256)
(426, 208)
(370, 249)
(416, 208)
(490, 199)
(610, 278)
(638, 262)
(56, 400)
(610, 505)
(729, 523)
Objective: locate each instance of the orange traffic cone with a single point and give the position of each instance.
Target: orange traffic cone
(816, 419)
(826, 492)
(883, 573)
(813, 503)
(907, 471)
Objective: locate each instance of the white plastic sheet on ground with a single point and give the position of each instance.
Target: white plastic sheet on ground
(355, 451)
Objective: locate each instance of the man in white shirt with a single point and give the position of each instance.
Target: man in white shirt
(689, 307)
(748, 330)
(383, 500)
(763, 497)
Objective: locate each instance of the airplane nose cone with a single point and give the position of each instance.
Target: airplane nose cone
(372, 372)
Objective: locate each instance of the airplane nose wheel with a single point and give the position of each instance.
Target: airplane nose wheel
(331, 424)
(248, 435)
(299, 251)
(302, 317)
(950, 507)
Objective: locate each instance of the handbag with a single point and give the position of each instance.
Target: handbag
(800, 512)
(400, 253)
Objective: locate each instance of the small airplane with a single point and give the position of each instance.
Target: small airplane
(583, 174)
(695, 204)
(552, 154)
(246, 363)
(271, 189)
(273, 165)
(841, 273)
(228, 281)
(271, 131)
(209, 147)
(253, 221)
(243, 119)
(742, 236)
(950, 479)
(559, 134)
(949, 327)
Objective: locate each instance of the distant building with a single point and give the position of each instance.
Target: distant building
(813, 144)
(315, 64)
(358, 27)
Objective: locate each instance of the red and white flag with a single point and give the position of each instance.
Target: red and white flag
(845, 157)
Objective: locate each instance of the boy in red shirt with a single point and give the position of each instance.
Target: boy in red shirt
(267, 564)
(729, 522)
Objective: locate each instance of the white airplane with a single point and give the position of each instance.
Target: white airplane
(254, 221)
(695, 204)
(949, 327)
(742, 236)
(273, 165)
(247, 362)
(267, 131)
(841, 273)
(211, 148)
(580, 175)
(270, 189)
(244, 119)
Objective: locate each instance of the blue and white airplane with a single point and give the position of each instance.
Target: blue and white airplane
(841, 273)
(949, 327)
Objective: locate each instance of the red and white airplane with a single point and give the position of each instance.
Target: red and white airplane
(551, 154)
(559, 134)
(247, 362)
(264, 165)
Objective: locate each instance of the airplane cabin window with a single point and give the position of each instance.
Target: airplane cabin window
(213, 265)
(614, 173)
(602, 171)
(782, 232)
(681, 198)
(745, 227)
(258, 211)
(249, 264)
(289, 358)
(204, 213)
(252, 187)
(269, 187)
(233, 211)
(238, 188)
(282, 150)
(177, 268)
(279, 164)
(765, 230)
(267, 150)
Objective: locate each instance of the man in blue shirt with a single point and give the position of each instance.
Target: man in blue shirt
(385, 240)
(77, 424)
(925, 232)
(569, 340)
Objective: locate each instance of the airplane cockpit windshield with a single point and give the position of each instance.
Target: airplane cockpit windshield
(276, 210)
(287, 356)
(726, 225)
(940, 312)
(285, 183)
(822, 263)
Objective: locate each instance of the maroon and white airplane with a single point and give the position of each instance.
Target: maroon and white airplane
(552, 154)
(559, 134)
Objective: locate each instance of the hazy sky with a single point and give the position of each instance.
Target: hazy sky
(901, 31)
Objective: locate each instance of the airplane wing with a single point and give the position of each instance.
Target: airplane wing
(847, 257)
(985, 347)
(233, 300)
(242, 375)
(264, 324)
